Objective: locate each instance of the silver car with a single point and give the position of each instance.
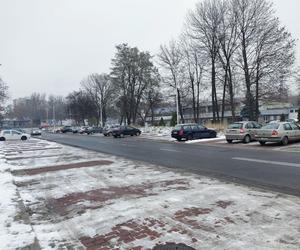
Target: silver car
(282, 132)
(243, 131)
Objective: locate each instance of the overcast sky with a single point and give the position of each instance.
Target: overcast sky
(48, 46)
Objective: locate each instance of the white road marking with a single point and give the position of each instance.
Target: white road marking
(289, 164)
(169, 150)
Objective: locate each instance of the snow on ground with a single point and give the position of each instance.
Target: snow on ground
(157, 133)
(15, 231)
(164, 133)
(121, 204)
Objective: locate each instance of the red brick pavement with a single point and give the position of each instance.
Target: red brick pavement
(97, 196)
(34, 171)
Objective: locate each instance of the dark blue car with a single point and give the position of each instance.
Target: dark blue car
(192, 131)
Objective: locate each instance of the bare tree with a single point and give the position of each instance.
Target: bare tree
(202, 26)
(80, 106)
(267, 50)
(195, 63)
(99, 88)
(227, 37)
(171, 59)
(3, 95)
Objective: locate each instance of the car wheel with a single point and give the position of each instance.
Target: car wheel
(213, 135)
(247, 139)
(138, 134)
(178, 139)
(115, 136)
(109, 134)
(2, 139)
(262, 143)
(285, 141)
(122, 135)
(23, 138)
(229, 141)
(189, 138)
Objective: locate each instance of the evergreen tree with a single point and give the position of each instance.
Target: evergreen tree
(173, 120)
(162, 122)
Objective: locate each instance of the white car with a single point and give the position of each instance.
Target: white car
(11, 134)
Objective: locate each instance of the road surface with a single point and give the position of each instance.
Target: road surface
(261, 167)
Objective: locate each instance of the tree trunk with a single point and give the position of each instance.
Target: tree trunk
(231, 94)
(249, 97)
(224, 93)
(180, 106)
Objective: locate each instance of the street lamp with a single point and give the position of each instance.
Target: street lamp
(53, 117)
(177, 106)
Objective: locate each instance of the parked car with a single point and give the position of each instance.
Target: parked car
(95, 130)
(292, 120)
(281, 132)
(56, 130)
(243, 131)
(66, 129)
(36, 132)
(192, 131)
(108, 130)
(75, 130)
(122, 131)
(13, 135)
(84, 130)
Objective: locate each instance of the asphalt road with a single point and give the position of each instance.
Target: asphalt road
(275, 170)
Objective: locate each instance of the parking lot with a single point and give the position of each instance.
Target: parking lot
(61, 197)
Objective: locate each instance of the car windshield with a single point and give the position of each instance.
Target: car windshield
(235, 126)
(178, 127)
(271, 126)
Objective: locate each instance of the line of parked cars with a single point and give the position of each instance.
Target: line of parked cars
(113, 130)
(247, 131)
(80, 130)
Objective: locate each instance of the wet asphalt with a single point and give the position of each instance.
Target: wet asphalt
(262, 167)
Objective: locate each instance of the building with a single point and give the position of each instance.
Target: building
(15, 123)
(274, 111)
(268, 112)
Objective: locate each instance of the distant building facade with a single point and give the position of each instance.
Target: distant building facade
(268, 112)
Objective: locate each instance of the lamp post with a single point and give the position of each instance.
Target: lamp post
(53, 117)
(177, 106)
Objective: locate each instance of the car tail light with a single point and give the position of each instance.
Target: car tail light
(274, 133)
(180, 132)
(242, 131)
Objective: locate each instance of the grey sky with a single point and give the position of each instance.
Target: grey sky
(50, 45)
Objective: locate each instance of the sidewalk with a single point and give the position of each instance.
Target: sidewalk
(59, 197)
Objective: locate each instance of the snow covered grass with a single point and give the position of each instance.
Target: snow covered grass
(67, 206)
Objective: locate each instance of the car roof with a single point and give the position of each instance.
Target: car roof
(243, 122)
(188, 124)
